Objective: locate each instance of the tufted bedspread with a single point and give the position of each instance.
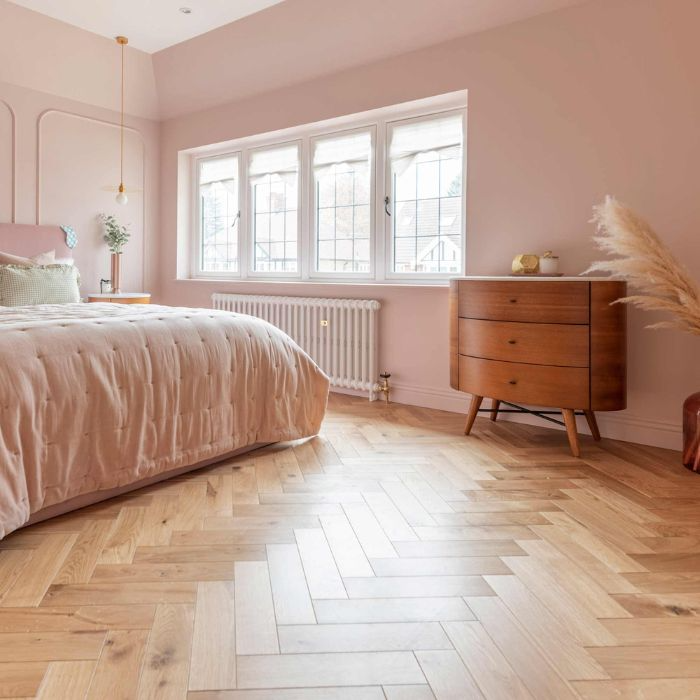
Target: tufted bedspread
(94, 397)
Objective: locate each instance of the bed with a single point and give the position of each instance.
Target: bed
(98, 399)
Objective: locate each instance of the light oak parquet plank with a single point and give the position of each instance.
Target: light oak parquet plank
(118, 669)
(416, 586)
(47, 559)
(318, 670)
(487, 665)
(76, 619)
(256, 628)
(372, 537)
(575, 570)
(391, 636)
(337, 693)
(167, 657)
(290, 593)
(322, 575)
(535, 671)
(392, 610)
(350, 557)
(654, 689)
(213, 663)
(66, 679)
(50, 646)
(21, 678)
(447, 675)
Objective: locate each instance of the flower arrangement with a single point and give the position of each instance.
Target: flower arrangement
(116, 236)
(660, 282)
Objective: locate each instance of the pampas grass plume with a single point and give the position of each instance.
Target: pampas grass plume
(658, 280)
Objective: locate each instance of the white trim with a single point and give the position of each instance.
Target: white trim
(312, 221)
(196, 239)
(418, 277)
(378, 121)
(251, 272)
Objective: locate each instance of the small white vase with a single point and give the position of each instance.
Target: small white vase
(549, 266)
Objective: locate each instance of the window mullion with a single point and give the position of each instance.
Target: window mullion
(305, 249)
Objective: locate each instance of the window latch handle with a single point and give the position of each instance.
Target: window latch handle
(235, 220)
(387, 201)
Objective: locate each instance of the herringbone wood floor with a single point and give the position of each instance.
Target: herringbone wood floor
(391, 557)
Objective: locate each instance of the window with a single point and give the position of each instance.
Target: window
(219, 214)
(273, 175)
(377, 196)
(343, 202)
(426, 190)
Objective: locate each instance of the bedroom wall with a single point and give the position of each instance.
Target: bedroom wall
(58, 154)
(563, 109)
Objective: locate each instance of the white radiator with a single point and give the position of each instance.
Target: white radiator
(339, 334)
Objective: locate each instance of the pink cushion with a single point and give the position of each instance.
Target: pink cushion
(47, 258)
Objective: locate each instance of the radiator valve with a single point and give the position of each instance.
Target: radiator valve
(383, 386)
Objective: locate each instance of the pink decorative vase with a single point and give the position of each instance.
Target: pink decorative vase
(116, 274)
(691, 432)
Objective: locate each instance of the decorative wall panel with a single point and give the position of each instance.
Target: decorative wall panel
(85, 152)
(7, 163)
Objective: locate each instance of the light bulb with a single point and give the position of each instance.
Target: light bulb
(122, 198)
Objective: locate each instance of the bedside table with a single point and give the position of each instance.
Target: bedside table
(123, 298)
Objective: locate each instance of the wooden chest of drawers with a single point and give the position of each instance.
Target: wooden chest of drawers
(541, 342)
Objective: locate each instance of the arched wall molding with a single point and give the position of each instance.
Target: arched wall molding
(13, 159)
(110, 125)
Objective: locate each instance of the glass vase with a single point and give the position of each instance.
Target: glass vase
(691, 432)
(116, 273)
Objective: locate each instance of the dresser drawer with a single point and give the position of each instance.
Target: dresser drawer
(564, 345)
(542, 302)
(539, 385)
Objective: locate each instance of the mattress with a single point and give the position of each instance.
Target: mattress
(97, 397)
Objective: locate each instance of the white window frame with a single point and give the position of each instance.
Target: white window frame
(196, 251)
(251, 272)
(345, 276)
(378, 122)
(388, 189)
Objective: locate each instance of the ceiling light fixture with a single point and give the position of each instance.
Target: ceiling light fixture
(186, 10)
(121, 196)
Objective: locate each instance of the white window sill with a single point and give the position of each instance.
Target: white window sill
(421, 284)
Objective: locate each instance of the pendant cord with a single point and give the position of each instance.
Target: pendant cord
(121, 130)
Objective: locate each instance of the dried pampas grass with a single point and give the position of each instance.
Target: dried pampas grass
(661, 283)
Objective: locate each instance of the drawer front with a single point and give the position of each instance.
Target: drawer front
(564, 345)
(524, 300)
(539, 385)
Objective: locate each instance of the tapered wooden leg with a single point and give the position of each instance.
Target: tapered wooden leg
(570, 422)
(472, 413)
(495, 403)
(593, 424)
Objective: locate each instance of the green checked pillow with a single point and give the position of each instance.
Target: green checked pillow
(45, 284)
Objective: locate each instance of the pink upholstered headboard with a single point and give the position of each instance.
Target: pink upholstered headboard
(26, 240)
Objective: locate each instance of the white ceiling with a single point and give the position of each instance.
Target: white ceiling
(150, 25)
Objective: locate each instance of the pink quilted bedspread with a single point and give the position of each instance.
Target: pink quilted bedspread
(98, 396)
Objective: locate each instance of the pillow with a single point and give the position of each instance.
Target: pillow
(47, 258)
(49, 284)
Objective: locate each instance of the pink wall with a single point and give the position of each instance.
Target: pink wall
(563, 108)
(57, 156)
(299, 40)
(43, 54)
(59, 138)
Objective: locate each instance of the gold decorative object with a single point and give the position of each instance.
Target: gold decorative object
(383, 386)
(526, 264)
